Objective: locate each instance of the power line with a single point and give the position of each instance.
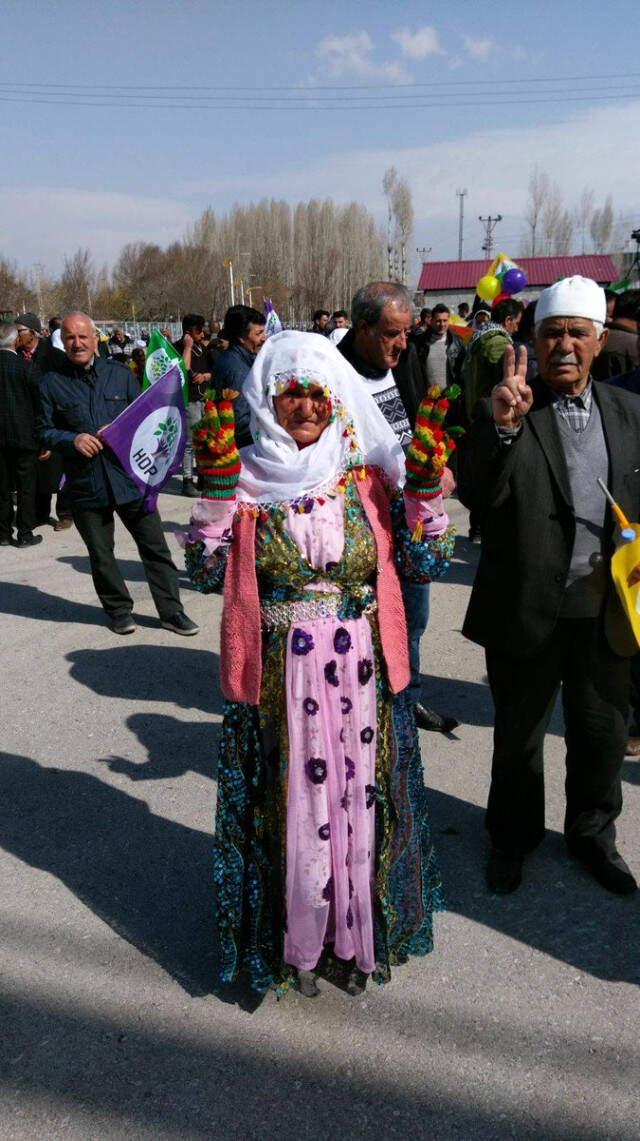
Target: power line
(306, 107)
(618, 76)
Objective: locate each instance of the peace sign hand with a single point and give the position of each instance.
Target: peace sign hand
(512, 398)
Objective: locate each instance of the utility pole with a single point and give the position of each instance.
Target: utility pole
(489, 226)
(461, 196)
(228, 264)
(39, 268)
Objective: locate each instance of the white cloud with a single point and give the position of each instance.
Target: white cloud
(351, 57)
(61, 220)
(419, 44)
(478, 49)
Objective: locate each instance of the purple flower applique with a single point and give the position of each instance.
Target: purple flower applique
(346, 705)
(310, 706)
(342, 640)
(344, 801)
(365, 670)
(350, 888)
(301, 642)
(350, 767)
(349, 830)
(331, 566)
(366, 735)
(349, 917)
(327, 891)
(324, 831)
(316, 770)
(370, 792)
(341, 736)
(330, 672)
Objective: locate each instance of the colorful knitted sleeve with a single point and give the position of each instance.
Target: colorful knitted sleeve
(215, 448)
(431, 445)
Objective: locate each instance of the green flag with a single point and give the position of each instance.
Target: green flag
(160, 356)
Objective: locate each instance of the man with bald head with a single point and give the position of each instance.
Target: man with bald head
(77, 403)
(543, 603)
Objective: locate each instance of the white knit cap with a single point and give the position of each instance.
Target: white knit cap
(573, 297)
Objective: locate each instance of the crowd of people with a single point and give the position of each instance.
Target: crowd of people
(320, 512)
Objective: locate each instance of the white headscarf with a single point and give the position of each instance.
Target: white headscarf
(274, 469)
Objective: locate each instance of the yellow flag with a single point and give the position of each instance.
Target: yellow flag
(626, 558)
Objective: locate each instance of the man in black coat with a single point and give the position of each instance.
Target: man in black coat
(75, 406)
(377, 347)
(18, 445)
(543, 603)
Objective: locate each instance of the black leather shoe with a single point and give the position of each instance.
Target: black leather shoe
(189, 489)
(504, 872)
(607, 867)
(434, 722)
(122, 624)
(29, 540)
(180, 624)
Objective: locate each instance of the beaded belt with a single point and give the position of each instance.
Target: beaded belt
(275, 614)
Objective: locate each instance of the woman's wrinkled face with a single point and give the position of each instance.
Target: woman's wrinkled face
(303, 413)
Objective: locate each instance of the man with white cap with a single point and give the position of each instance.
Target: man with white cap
(543, 603)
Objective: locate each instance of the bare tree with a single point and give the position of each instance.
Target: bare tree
(563, 236)
(584, 213)
(601, 226)
(15, 294)
(538, 192)
(389, 182)
(551, 217)
(77, 282)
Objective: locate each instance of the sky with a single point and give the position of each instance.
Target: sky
(206, 104)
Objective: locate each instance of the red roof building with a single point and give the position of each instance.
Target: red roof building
(444, 279)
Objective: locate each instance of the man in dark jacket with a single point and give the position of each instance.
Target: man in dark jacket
(244, 329)
(199, 360)
(441, 352)
(41, 356)
(18, 445)
(76, 404)
(378, 349)
(622, 352)
(543, 604)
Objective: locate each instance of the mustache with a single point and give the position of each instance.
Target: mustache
(563, 358)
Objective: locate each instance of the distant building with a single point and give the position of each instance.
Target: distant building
(455, 281)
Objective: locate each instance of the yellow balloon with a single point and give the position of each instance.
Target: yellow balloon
(488, 287)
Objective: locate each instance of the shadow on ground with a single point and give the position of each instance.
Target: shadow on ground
(25, 601)
(150, 879)
(173, 675)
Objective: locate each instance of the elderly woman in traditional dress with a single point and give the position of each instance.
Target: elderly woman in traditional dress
(322, 841)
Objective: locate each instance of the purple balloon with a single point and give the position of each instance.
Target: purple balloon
(514, 280)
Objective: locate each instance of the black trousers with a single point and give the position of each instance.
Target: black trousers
(17, 470)
(595, 696)
(96, 526)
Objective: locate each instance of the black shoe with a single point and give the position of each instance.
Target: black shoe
(307, 984)
(189, 489)
(6, 542)
(356, 982)
(29, 540)
(607, 867)
(180, 624)
(504, 872)
(122, 624)
(434, 722)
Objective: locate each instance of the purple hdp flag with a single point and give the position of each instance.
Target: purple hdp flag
(149, 437)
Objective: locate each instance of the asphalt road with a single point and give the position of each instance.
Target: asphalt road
(523, 1023)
